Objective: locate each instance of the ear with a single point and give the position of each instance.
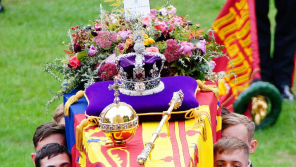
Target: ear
(33, 157)
(253, 146)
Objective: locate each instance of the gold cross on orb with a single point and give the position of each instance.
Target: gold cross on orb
(116, 86)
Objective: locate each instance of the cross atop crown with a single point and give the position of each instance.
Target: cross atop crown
(116, 86)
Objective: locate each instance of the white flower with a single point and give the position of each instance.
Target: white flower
(163, 11)
(113, 18)
(172, 10)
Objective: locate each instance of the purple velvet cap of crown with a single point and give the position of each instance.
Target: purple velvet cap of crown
(127, 63)
(99, 96)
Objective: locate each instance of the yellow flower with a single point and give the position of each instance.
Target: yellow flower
(148, 40)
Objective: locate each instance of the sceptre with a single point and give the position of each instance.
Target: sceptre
(174, 104)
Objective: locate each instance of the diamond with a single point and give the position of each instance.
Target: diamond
(124, 126)
(104, 127)
(139, 86)
(130, 124)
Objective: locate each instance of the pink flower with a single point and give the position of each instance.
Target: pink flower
(212, 65)
(201, 45)
(98, 27)
(176, 20)
(197, 25)
(120, 46)
(152, 49)
(186, 47)
(111, 59)
(113, 37)
(123, 34)
(92, 51)
(153, 11)
(172, 51)
(74, 62)
(147, 19)
(107, 71)
(104, 39)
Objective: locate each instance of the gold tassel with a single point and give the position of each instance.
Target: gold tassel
(200, 122)
(73, 99)
(208, 88)
(79, 134)
(93, 120)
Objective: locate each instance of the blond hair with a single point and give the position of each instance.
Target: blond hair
(232, 119)
(58, 113)
(230, 144)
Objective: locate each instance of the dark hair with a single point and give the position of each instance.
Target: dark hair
(46, 130)
(224, 111)
(50, 150)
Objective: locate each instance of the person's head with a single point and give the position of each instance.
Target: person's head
(49, 132)
(53, 155)
(224, 111)
(58, 115)
(231, 151)
(239, 126)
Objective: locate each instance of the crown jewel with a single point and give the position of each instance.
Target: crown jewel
(140, 71)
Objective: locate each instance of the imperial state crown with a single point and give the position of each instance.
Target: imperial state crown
(140, 71)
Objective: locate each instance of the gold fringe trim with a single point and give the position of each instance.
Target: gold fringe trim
(207, 88)
(73, 99)
(79, 130)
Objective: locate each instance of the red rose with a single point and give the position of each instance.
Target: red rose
(74, 62)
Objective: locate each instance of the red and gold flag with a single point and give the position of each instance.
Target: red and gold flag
(235, 28)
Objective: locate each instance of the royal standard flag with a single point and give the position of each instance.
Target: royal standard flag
(235, 28)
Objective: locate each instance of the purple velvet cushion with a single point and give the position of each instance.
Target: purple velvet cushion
(99, 96)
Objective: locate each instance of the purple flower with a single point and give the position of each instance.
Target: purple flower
(77, 48)
(92, 51)
(201, 45)
(123, 34)
(186, 47)
(172, 51)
